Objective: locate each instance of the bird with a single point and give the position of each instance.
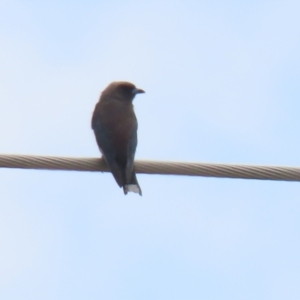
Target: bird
(115, 127)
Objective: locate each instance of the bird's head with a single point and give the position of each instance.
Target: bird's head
(123, 90)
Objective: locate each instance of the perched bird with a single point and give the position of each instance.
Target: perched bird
(115, 127)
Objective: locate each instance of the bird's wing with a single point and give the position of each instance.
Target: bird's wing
(132, 143)
(105, 144)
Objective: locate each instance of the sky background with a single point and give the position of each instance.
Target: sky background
(222, 86)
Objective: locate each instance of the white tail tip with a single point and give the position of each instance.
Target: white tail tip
(132, 188)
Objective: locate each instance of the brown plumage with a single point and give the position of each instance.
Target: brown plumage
(115, 127)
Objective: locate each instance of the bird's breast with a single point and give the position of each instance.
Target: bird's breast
(119, 121)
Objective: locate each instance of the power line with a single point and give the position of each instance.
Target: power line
(153, 167)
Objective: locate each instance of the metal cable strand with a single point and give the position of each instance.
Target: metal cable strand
(152, 167)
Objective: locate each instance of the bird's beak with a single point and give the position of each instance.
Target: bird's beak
(137, 91)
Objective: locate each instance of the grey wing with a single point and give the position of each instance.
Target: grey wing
(104, 141)
(130, 154)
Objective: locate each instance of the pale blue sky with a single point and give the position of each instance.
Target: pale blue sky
(222, 85)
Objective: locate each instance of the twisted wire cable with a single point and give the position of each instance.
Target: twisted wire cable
(153, 167)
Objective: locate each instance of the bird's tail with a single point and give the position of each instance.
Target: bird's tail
(132, 186)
